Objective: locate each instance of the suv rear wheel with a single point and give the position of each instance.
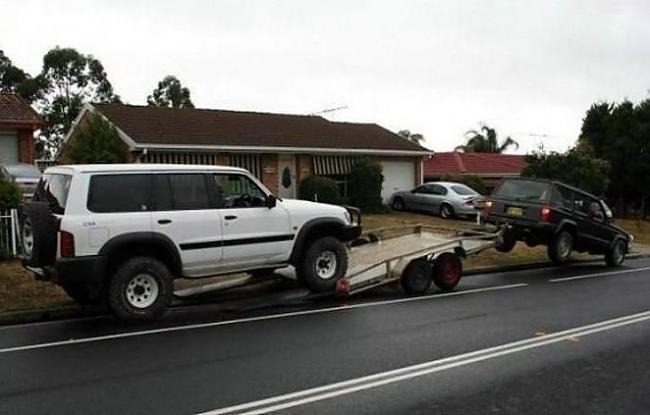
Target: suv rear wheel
(140, 289)
(615, 255)
(323, 264)
(559, 250)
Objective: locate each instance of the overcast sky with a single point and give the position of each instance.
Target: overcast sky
(530, 69)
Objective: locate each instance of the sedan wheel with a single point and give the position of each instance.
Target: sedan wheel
(446, 212)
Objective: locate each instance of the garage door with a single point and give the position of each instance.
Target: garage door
(8, 148)
(398, 175)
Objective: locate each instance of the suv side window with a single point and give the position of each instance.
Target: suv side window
(237, 191)
(113, 193)
(187, 192)
(563, 196)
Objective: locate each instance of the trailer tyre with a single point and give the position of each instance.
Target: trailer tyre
(38, 235)
(140, 290)
(447, 270)
(417, 276)
(323, 264)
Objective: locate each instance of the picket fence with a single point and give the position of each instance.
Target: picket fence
(9, 233)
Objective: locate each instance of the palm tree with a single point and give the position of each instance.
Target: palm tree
(485, 141)
(415, 137)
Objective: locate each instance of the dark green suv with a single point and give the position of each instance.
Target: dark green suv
(557, 215)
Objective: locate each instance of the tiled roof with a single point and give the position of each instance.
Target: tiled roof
(15, 110)
(196, 127)
(455, 162)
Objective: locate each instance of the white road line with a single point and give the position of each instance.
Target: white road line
(580, 277)
(293, 399)
(253, 319)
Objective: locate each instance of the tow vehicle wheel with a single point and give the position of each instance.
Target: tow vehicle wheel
(615, 255)
(140, 290)
(447, 270)
(398, 204)
(559, 250)
(507, 243)
(324, 263)
(446, 211)
(417, 276)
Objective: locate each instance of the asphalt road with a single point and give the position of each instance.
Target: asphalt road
(572, 340)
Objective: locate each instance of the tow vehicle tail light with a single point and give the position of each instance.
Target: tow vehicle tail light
(546, 214)
(488, 206)
(66, 242)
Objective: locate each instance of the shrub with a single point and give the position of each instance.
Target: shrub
(10, 195)
(321, 189)
(474, 182)
(364, 186)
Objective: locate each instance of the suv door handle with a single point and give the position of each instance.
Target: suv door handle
(230, 217)
(164, 221)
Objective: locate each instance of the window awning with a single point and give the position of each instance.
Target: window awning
(333, 165)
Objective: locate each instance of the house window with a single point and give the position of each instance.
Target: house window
(336, 168)
(250, 162)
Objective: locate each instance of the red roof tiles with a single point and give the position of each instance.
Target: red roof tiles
(457, 163)
(16, 111)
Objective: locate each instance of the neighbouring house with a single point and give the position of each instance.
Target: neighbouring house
(18, 122)
(491, 167)
(279, 149)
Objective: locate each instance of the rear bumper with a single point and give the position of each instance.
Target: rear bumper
(523, 228)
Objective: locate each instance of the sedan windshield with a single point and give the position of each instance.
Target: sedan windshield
(463, 190)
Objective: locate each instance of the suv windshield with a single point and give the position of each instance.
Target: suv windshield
(463, 190)
(53, 188)
(530, 190)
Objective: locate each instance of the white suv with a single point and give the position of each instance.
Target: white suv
(124, 232)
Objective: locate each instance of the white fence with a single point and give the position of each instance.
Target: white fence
(9, 233)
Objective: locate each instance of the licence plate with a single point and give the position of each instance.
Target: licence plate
(515, 211)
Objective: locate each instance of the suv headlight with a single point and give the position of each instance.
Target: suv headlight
(348, 217)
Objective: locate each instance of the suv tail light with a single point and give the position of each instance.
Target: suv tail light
(487, 207)
(545, 215)
(66, 243)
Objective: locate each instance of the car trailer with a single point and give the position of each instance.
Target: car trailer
(415, 255)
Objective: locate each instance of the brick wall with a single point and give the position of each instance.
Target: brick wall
(270, 172)
(26, 150)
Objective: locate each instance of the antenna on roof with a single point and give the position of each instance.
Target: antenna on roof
(327, 110)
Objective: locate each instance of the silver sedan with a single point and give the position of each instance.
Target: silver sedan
(446, 199)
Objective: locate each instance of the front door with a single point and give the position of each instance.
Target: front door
(287, 176)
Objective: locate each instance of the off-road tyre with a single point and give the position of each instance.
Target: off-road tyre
(38, 235)
(559, 250)
(130, 284)
(324, 262)
(615, 254)
(447, 271)
(417, 276)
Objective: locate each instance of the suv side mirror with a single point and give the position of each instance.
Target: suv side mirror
(271, 201)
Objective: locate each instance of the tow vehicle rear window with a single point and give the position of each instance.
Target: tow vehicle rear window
(53, 188)
(524, 190)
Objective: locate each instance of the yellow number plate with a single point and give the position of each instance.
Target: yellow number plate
(515, 211)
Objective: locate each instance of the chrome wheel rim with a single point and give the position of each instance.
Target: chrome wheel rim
(326, 265)
(444, 212)
(142, 291)
(28, 240)
(564, 245)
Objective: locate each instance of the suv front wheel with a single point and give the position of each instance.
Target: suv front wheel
(324, 263)
(140, 289)
(559, 250)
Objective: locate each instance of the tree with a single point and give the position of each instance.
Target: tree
(578, 167)
(486, 141)
(415, 137)
(14, 79)
(97, 142)
(71, 79)
(170, 93)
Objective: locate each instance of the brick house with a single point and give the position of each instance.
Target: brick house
(18, 121)
(280, 149)
(491, 167)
